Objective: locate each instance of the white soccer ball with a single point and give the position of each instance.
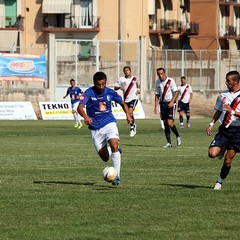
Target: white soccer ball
(109, 174)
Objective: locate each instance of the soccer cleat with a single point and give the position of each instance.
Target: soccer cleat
(79, 127)
(168, 145)
(132, 132)
(188, 124)
(182, 126)
(221, 153)
(179, 141)
(76, 125)
(116, 182)
(218, 186)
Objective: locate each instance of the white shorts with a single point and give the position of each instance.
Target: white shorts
(101, 136)
(75, 106)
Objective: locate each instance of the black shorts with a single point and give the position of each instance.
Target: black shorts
(228, 138)
(132, 104)
(183, 107)
(166, 112)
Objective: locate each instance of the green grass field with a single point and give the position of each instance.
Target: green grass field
(51, 185)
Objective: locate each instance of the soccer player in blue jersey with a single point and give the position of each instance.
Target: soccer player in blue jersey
(101, 121)
(75, 93)
(227, 139)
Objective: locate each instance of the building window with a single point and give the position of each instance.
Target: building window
(86, 12)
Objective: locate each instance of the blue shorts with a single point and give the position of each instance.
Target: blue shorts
(183, 107)
(132, 104)
(228, 138)
(166, 112)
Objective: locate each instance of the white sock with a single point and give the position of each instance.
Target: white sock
(109, 150)
(116, 161)
(220, 180)
(78, 119)
(162, 124)
(75, 116)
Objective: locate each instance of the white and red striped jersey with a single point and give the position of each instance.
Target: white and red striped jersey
(184, 92)
(130, 87)
(233, 99)
(165, 89)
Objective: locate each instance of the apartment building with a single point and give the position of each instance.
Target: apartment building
(166, 24)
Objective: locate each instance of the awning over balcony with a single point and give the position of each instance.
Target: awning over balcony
(56, 6)
(8, 40)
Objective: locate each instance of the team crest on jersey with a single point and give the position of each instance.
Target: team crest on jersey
(82, 97)
(108, 98)
(224, 99)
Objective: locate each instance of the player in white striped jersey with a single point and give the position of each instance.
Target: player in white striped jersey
(130, 85)
(184, 99)
(166, 94)
(227, 139)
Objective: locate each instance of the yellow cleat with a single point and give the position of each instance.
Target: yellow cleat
(79, 127)
(76, 125)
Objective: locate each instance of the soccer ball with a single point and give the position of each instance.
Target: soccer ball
(109, 174)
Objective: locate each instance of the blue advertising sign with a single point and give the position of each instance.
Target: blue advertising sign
(14, 67)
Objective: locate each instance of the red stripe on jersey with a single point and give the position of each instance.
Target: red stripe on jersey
(166, 87)
(184, 92)
(228, 115)
(130, 87)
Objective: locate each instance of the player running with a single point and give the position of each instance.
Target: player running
(130, 85)
(75, 93)
(101, 121)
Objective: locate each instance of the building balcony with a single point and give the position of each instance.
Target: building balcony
(11, 22)
(165, 26)
(229, 32)
(61, 23)
(229, 2)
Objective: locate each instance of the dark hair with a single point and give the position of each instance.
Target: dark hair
(234, 74)
(72, 80)
(126, 68)
(161, 69)
(99, 76)
(183, 77)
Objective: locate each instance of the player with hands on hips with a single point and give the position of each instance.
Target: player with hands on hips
(185, 96)
(130, 85)
(227, 139)
(100, 120)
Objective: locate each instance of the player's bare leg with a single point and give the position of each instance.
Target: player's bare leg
(225, 168)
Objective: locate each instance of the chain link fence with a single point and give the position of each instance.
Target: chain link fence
(205, 70)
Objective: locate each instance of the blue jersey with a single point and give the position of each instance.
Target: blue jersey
(74, 93)
(99, 107)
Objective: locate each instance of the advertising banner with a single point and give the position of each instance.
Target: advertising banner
(18, 67)
(63, 111)
(17, 111)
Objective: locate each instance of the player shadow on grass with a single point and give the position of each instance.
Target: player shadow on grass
(103, 187)
(186, 186)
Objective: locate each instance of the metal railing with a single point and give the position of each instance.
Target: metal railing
(50, 21)
(175, 26)
(11, 22)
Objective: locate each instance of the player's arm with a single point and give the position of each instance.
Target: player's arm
(126, 110)
(215, 117)
(175, 95)
(81, 111)
(156, 103)
(191, 96)
(230, 110)
(66, 94)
